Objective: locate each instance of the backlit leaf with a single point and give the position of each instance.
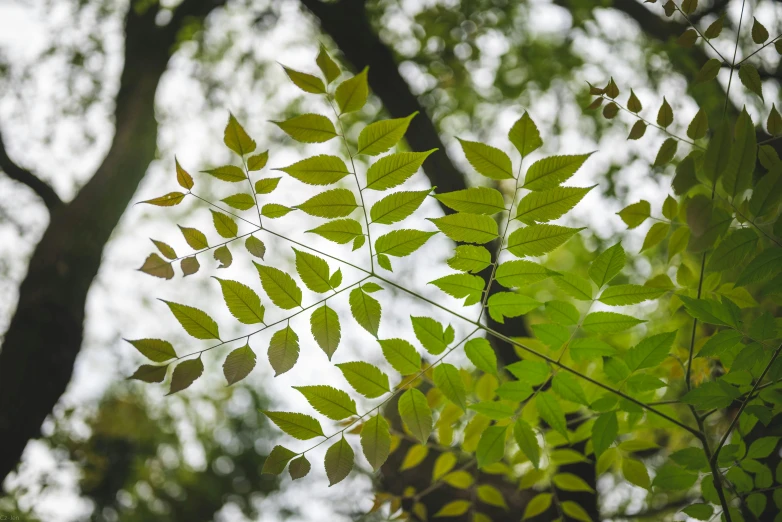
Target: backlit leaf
(536, 240)
(329, 401)
(154, 349)
(401, 355)
(491, 446)
(306, 82)
(351, 95)
(415, 413)
(401, 243)
(339, 461)
(524, 135)
(449, 381)
(194, 321)
(236, 138)
(242, 301)
(279, 286)
(376, 441)
(476, 200)
(549, 204)
(469, 228)
(609, 322)
(487, 160)
(366, 310)
(238, 364)
(317, 170)
(549, 172)
(308, 128)
(283, 350)
(326, 329)
(333, 203)
(397, 206)
(186, 374)
(297, 425)
(394, 169)
(377, 138)
(365, 378)
(607, 265)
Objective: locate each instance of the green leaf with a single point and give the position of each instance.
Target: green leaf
(551, 412)
(240, 201)
(698, 126)
(313, 270)
(609, 322)
(308, 128)
(469, 228)
(762, 447)
(258, 161)
(154, 349)
(397, 206)
(691, 458)
(299, 468)
(567, 387)
(527, 441)
(149, 373)
(549, 172)
(743, 155)
(169, 200)
(536, 240)
(224, 225)
(487, 160)
(718, 150)
(767, 193)
(449, 381)
(699, 511)
(685, 178)
(552, 335)
(366, 310)
(671, 477)
(416, 414)
(635, 214)
(266, 185)
(306, 82)
(184, 178)
(715, 28)
(621, 295)
(394, 169)
(365, 378)
(604, 432)
(762, 266)
(239, 364)
(575, 511)
(333, 203)
(759, 32)
(401, 243)
(469, 258)
(650, 352)
(431, 334)
(490, 495)
(454, 509)
(194, 321)
(510, 304)
(514, 274)
(708, 72)
(444, 463)
(482, 355)
(666, 153)
(376, 441)
(712, 394)
(401, 355)
(186, 374)
(525, 135)
(329, 401)
(585, 348)
(339, 231)
(607, 265)
(243, 303)
(491, 446)
(326, 330)
(297, 425)
(279, 286)
(377, 138)
(733, 249)
(277, 460)
(689, 6)
(317, 170)
(562, 313)
(255, 246)
(461, 285)
(156, 266)
(539, 504)
(327, 65)
(665, 114)
(719, 343)
(477, 200)
(575, 286)
(274, 210)
(229, 173)
(351, 95)
(336, 279)
(236, 138)
(494, 410)
(549, 204)
(283, 350)
(706, 310)
(339, 461)
(571, 482)
(165, 249)
(635, 472)
(773, 123)
(637, 131)
(190, 265)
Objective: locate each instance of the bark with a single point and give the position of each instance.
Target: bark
(46, 331)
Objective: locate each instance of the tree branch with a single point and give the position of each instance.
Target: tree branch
(24, 176)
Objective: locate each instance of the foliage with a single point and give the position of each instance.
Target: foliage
(598, 381)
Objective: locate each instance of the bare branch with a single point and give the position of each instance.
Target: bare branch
(17, 173)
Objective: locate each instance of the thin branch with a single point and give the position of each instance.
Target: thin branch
(24, 176)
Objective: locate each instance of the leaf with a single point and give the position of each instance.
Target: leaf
(329, 401)
(575, 511)
(184, 179)
(240, 201)
(571, 482)
(699, 511)
(308, 128)
(255, 246)
(633, 103)
(524, 135)
(377, 138)
(266, 185)
(610, 111)
(575, 286)
(673, 478)
(487, 160)
(759, 32)
(493, 410)
(712, 394)
(190, 265)
(394, 169)
(567, 387)
(327, 65)
(482, 355)
(635, 472)
(666, 153)
(635, 214)
(719, 343)
(243, 303)
(622, 295)
(708, 72)
(297, 425)
(351, 95)
(365, 378)
(401, 355)
(224, 225)
(318, 170)
(223, 256)
(685, 178)
(448, 379)
(650, 352)
(513, 274)
(762, 266)
(562, 313)
(469, 258)
(539, 504)
(339, 231)
(689, 6)
(401, 243)
(461, 285)
(476, 200)
(767, 193)
(604, 432)
(299, 468)
(743, 154)
(698, 126)
(549, 204)
(454, 509)
(313, 270)
(339, 461)
(431, 334)
(283, 350)
(584, 349)
(277, 460)
(279, 286)
(527, 441)
(549, 172)
(715, 160)
(490, 495)
(536, 240)
(551, 412)
(510, 304)
(154, 349)
(165, 249)
(465, 227)
(333, 203)
(774, 121)
(186, 374)
(156, 266)
(366, 310)
(552, 335)
(733, 249)
(491, 446)
(306, 82)
(416, 415)
(236, 138)
(195, 322)
(691, 458)
(149, 373)
(609, 322)
(229, 173)
(607, 265)
(238, 364)
(665, 114)
(637, 131)
(376, 441)
(750, 77)
(326, 329)
(397, 206)
(169, 200)
(258, 161)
